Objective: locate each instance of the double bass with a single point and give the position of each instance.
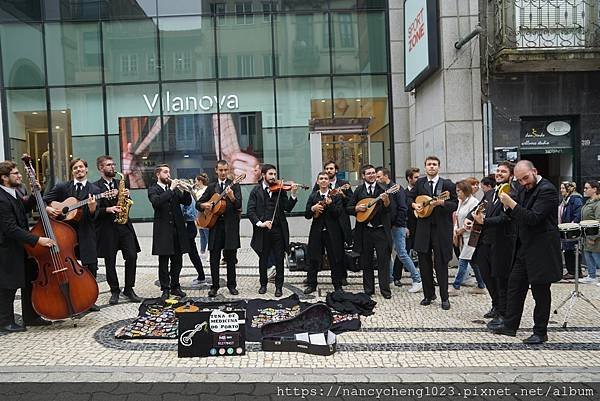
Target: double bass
(63, 288)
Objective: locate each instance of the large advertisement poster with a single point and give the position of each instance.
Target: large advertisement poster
(190, 144)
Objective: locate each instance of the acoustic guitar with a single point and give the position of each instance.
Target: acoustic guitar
(425, 201)
(71, 208)
(332, 192)
(372, 205)
(476, 228)
(207, 218)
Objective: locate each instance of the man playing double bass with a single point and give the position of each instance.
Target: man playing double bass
(15, 272)
(224, 236)
(79, 188)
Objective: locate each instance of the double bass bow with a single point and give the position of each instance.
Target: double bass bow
(63, 288)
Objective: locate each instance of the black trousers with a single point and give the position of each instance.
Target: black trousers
(230, 255)
(484, 262)
(518, 285)
(335, 256)
(375, 239)
(426, 266)
(169, 278)
(192, 231)
(125, 243)
(272, 243)
(7, 299)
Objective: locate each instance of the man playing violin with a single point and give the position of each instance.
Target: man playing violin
(14, 233)
(79, 188)
(224, 236)
(267, 205)
(325, 233)
(169, 234)
(374, 234)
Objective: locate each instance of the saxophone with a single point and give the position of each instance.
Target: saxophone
(123, 202)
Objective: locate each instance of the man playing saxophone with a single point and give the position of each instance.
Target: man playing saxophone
(115, 232)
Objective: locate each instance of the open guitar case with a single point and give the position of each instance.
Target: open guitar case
(308, 332)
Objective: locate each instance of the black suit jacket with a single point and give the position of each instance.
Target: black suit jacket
(14, 233)
(106, 228)
(537, 232)
(329, 219)
(360, 193)
(86, 227)
(257, 211)
(344, 216)
(168, 220)
(231, 217)
(436, 229)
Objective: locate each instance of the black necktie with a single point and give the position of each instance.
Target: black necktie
(78, 188)
(322, 197)
(370, 190)
(431, 186)
(222, 185)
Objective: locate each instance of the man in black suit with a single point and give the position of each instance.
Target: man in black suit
(374, 234)
(496, 244)
(169, 234)
(433, 239)
(113, 237)
(14, 233)
(225, 234)
(537, 261)
(266, 211)
(325, 233)
(80, 189)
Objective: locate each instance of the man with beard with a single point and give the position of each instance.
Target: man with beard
(14, 233)
(537, 261)
(80, 189)
(169, 234)
(270, 231)
(113, 237)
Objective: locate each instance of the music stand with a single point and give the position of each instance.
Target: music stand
(575, 294)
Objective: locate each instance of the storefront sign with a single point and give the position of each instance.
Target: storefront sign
(421, 44)
(547, 136)
(189, 104)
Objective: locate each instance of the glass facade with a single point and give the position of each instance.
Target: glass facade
(190, 82)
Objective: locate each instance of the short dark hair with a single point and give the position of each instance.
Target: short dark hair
(365, 168)
(222, 163)
(266, 167)
(487, 181)
(509, 165)
(465, 187)
(328, 162)
(101, 159)
(160, 167)
(437, 159)
(410, 171)
(322, 173)
(75, 161)
(384, 171)
(6, 167)
(594, 184)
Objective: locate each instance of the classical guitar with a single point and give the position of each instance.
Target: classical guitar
(476, 228)
(207, 218)
(371, 204)
(71, 208)
(425, 201)
(332, 192)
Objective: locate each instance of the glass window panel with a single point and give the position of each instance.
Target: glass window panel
(73, 52)
(72, 10)
(20, 10)
(244, 45)
(359, 41)
(358, 4)
(302, 5)
(128, 9)
(294, 160)
(130, 51)
(179, 7)
(299, 42)
(187, 47)
(78, 109)
(22, 56)
(299, 99)
(89, 148)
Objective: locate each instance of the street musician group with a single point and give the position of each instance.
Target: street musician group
(81, 221)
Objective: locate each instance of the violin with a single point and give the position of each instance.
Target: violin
(281, 185)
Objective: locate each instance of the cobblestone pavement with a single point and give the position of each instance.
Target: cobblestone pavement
(402, 341)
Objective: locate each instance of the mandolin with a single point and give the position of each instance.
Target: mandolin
(425, 201)
(476, 228)
(332, 192)
(70, 208)
(372, 205)
(207, 218)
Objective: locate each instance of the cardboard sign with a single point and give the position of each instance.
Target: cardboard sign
(212, 333)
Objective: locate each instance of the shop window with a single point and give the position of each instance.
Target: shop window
(22, 56)
(243, 13)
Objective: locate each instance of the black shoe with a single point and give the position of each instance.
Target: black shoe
(114, 298)
(94, 308)
(338, 289)
(370, 293)
(131, 295)
(536, 339)
(12, 328)
(503, 330)
(387, 295)
(310, 290)
(397, 283)
(262, 289)
(233, 291)
(344, 281)
(278, 292)
(212, 293)
(491, 314)
(38, 321)
(305, 281)
(165, 295)
(495, 323)
(178, 293)
(445, 305)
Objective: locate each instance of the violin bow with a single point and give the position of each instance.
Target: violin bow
(277, 202)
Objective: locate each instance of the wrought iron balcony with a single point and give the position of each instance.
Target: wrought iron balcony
(526, 34)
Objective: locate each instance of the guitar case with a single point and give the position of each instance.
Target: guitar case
(307, 332)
